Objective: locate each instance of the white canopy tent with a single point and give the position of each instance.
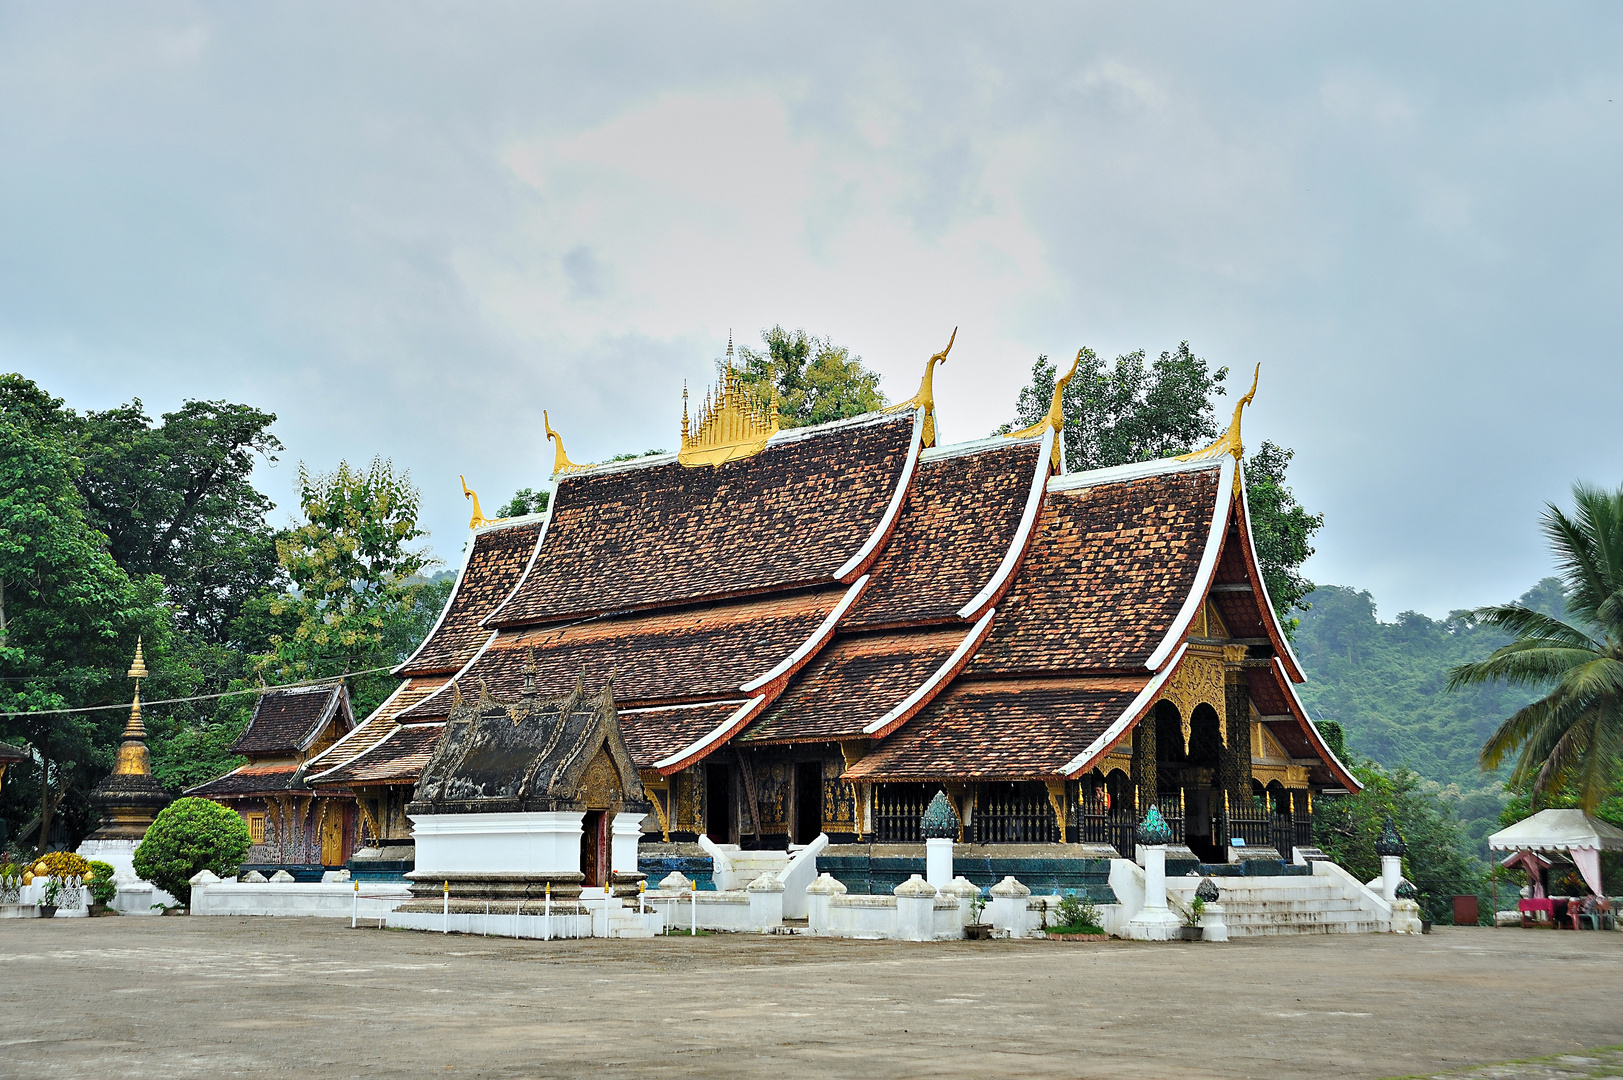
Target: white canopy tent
(1572, 831)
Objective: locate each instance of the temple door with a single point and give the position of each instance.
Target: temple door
(594, 853)
(332, 838)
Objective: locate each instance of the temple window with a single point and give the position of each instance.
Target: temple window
(256, 828)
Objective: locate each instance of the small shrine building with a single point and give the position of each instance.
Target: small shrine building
(813, 630)
(291, 825)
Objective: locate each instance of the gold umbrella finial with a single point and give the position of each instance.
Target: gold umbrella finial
(138, 669)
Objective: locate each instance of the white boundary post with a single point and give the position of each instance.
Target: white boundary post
(446, 928)
(355, 909)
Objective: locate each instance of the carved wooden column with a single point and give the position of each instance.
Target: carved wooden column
(1144, 763)
(1235, 775)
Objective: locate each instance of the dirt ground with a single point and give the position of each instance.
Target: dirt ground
(211, 997)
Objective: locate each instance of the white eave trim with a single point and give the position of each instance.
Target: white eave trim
(942, 451)
(1313, 729)
(926, 690)
(535, 553)
(791, 663)
(719, 734)
(461, 671)
(854, 563)
(350, 734)
(679, 708)
(1140, 702)
(1017, 546)
(1267, 601)
(1135, 470)
(1203, 574)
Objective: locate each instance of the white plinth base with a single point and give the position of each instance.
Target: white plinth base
(1154, 924)
(135, 896)
(539, 843)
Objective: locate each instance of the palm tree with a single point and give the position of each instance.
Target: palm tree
(1572, 738)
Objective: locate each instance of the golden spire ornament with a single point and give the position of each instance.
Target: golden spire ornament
(735, 422)
(925, 398)
(1056, 411)
(561, 465)
(1229, 442)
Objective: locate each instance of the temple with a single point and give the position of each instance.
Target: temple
(291, 826)
(813, 630)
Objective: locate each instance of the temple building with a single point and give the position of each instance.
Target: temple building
(813, 630)
(291, 825)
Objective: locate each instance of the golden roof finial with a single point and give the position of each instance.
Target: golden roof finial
(138, 668)
(478, 517)
(1056, 411)
(1229, 442)
(735, 422)
(561, 465)
(925, 398)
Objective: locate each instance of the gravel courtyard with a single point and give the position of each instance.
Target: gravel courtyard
(182, 997)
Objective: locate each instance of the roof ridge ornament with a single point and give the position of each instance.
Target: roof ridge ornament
(561, 465)
(478, 520)
(1056, 412)
(925, 398)
(1229, 442)
(734, 423)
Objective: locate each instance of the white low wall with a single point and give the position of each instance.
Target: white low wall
(540, 842)
(332, 900)
(496, 924)
(134, 896)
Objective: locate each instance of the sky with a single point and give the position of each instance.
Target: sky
(408, 229)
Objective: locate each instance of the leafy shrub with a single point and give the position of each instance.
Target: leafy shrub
(188, 836)
(1077, 915)
(101, 884)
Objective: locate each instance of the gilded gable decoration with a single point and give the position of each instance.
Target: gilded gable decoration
(1230, 442)
(925, 398)
(1056, 413)
(478, 520)
(1198, 681)
(561, 465)
(734, 423)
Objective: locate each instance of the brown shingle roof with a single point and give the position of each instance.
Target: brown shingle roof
(399, 758)
(9, 753)
(667, 534)
(1004, 730)
(654, 734)
(1106, 572)
(286, 719)
(494, 566)
(701, 652)
(250, 780)
(961, 515)
(853, 682)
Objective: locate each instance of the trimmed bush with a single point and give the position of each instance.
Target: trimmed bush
(188, 836)
(101, 885)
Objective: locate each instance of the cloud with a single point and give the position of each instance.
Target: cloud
(408, 229)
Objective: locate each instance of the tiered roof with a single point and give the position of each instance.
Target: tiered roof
(286, 722)
(950, 612)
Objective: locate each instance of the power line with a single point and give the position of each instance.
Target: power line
(198, 697)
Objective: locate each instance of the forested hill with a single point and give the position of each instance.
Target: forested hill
(1385, 682)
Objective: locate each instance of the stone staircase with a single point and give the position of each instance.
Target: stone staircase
(1320, 904)
(619, 919)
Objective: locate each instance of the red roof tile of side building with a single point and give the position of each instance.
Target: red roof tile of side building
(399, 758)
(811, 506)
(962, 515)
(700, 652)
(251, 780)
(496, 560)
(657, 732)
(855, 682)
(999, 730)
(1110, 567)
(287, 719)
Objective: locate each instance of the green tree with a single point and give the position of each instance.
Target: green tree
(1132, 410)
(1282, 530)
(1572, 737)
(1141, 410)
(175, 500)
(190, 835)
(67, 610)
(1438, 860)
(355, 577)
(524, 501)
(816, 380)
